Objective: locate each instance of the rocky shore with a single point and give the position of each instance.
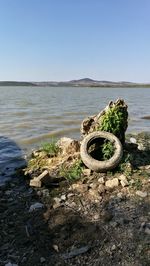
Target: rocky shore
(99, 219)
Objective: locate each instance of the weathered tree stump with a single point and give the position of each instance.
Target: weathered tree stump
(113, 119)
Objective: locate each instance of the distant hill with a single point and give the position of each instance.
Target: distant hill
(85, 82)
(16, 83)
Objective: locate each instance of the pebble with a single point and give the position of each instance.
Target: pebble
(112, 183)
(36, 206)
(93, 185)
(96, 216)
(123, 180)
(101, 180)
(141, 194)
(70, 195)
(101, 188)
(133, 140)
(93, 193)
(42, 259)
(113, 247)
(87, 172)
(63, 197)
(57, 200)
(147, 230)
(57, 203)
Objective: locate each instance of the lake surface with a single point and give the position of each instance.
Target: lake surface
(32, 115)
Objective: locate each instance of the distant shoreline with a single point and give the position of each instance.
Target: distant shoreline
(77, 83)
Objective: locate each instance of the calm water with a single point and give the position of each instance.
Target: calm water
(32, 115)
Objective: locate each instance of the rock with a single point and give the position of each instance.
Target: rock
(57, 200)
(141, 194)
(63, 197)
(37, 181)
(123, 180)
(112, 183)
(147, 167)
(141, 147)
(133, 140)
(86, 172)
(113, 247)
(121, 196)
(96, 216)
(101, 188)
(147, 231)
(80, 187)
(56, 205)
(42, 259)
(101, 180)
(36, 206)
(93, 185)
(68, 146)
(55, 247)
(70, 195)
(94, 194)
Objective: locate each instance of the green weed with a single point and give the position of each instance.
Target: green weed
(50, 148)
(72, 172)
(113, 120)
(107, 150)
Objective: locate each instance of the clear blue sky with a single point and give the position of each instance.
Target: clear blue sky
(43, 40)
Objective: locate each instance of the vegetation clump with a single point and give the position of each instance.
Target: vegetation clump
(114, 120)
(107, 150)
(72, 172)
(51, 148)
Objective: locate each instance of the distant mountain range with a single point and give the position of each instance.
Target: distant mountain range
(86, 82)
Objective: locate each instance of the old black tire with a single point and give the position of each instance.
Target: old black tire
(96, 165)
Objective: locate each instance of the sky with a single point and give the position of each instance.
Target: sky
(60, 40)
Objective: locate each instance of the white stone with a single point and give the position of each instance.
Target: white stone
(112, 183)
(141, 194)
(36, 206)
(57, 200)
(141, 147)
(101, 180)
(133, 140)
(55, 247)
(86, 172)
(113, 247)
(63, 197)
(96, 216)
(123, 180)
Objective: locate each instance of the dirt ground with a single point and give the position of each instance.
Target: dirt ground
(111, 230)
(80, 223)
